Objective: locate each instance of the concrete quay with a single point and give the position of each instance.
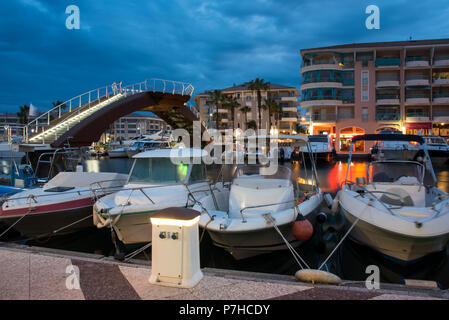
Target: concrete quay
(32, 273)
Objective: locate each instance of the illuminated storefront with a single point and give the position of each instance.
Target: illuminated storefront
(345, 138)
(441, 129)
(419, 128)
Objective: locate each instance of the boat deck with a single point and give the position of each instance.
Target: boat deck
(38, 273)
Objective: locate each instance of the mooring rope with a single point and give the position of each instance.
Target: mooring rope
(346, 234)
(295, 254)
(136, 252)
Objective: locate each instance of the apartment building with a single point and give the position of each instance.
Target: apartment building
(373, 87)
(135, 124)
(285, 122)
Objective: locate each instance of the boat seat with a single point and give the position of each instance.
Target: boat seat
(395, 201)
(248, 192)
(260, 183)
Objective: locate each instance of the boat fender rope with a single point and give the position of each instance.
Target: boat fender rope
(212, 218)
(295, 254)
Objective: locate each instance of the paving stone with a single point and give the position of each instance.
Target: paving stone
(49, 277)
(14, 275)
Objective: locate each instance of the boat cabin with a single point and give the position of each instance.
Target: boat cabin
(168, 166)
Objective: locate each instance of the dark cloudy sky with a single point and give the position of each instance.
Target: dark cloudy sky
(211, 44)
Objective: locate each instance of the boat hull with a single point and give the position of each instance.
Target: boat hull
(249, 243)
(402, 247)
(44, 223)
(117, 154)
(134, 228)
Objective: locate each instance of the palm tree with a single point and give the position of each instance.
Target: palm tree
(217, 117)
(232, 103)
(273, 109)
(252, 124)
(259, 85)
(216, 98)
(245, 110)
(23, 114)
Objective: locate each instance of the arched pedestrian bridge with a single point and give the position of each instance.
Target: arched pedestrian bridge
(83, 119)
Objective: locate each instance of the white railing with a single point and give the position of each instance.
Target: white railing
(160, 85)
(92, 98)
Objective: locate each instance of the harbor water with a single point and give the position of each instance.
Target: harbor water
(349, 261)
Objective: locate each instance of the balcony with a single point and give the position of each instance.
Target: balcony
(388, 99)
(223, 110)
(388, 116)
(417, 61)
(388, 82)
(440, 98)
(388, 62)
(321, 83)
(324, 117)
(345, 115)
(417, 80)
(321, 65)
(321, 101)
(441, 61)
(441, 82)
(295, 99)
(289, 109)
(289, 118)
(422, 116)
(441, 115)
(417, 98)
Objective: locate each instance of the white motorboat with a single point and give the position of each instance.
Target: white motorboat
(118, 153)
(243, 218)
(64, 200)
(158, 179)
(145, 145)
(438, 149)
(398, 149)
(320, 146)
(394, 211)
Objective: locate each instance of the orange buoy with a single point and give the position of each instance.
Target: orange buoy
(302, 229)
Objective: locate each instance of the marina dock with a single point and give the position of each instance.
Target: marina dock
(48, 274)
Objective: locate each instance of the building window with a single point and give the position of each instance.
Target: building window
(365, 114)
(365, 85)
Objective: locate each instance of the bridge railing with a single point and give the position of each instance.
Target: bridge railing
(64, 110)
(91, 98)
(160, 85)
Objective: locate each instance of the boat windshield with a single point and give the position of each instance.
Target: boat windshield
(322, 138)
(163, 170)
(436, 140)
(254, 170)
(394, 144)
(397, 172)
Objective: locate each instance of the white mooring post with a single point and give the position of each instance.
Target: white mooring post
(175, 258)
